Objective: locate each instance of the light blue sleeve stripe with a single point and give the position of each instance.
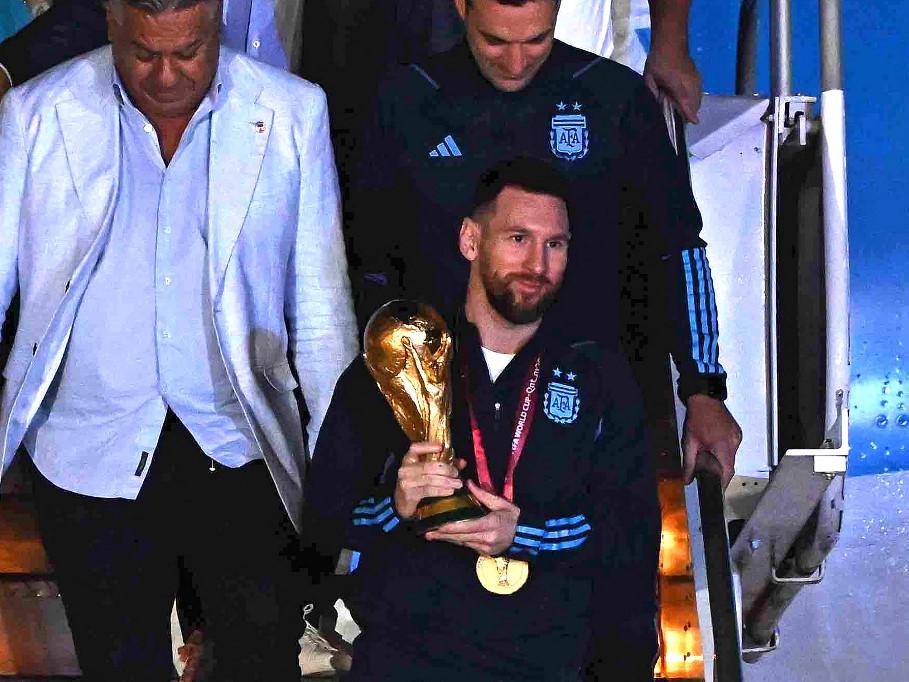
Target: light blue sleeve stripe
(568, 521)
(530, 530)
(711, 331)
(567, 533)
(374, 521)
(527, 542)
(692, 319)
(425, 75)
(521, 550)
(568, 544)
(375, 509)
(715, 342)
(391, 524)
(354, 561)
(704, 303)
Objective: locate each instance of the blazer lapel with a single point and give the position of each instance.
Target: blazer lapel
(92, 142)
(239, 136)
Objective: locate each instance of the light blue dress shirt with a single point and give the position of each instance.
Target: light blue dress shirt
(143, 337)
(250, 26)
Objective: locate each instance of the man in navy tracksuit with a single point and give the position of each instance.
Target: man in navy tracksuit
(639, 265)
(550, 434)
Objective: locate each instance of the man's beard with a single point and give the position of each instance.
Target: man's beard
(507, 304)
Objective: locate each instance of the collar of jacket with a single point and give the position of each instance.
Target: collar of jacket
(468, 346)
(240, 120)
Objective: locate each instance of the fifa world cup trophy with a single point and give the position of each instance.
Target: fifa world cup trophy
(408, 348)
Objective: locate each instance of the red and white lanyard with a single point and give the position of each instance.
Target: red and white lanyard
(523, 421)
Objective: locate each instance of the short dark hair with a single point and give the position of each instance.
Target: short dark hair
(531, 175)
(158, 6)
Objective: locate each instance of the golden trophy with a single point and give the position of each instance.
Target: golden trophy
(407, 348)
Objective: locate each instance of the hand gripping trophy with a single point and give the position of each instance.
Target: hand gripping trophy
(407, 348)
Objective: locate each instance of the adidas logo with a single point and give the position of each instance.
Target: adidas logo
(447, 147)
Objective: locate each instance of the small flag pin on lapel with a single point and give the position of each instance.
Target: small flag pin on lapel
(260, 126)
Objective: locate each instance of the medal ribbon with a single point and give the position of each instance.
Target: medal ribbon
(523, 420)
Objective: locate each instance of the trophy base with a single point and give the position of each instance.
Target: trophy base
(437, 511)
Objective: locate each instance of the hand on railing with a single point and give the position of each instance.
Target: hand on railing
(711, 437)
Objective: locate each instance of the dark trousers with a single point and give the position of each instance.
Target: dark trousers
(623, 648)
(117, 565)
(384, 659)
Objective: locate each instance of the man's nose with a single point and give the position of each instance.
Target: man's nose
(515, 61)
(165, 74)
(537, 260)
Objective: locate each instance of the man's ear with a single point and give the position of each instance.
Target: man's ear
(114, 17)
(469, 239)
(461, 7)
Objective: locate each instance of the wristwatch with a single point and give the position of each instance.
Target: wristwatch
(713, 386)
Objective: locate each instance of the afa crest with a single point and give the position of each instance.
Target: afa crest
(568, 134)
(561, 403)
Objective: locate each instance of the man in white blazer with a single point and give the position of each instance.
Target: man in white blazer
(169, 216)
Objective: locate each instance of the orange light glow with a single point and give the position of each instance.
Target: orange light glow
(681, 654)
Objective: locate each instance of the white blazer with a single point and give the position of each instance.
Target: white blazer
(275, 250)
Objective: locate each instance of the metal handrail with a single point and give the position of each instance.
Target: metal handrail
(780, 48)
(833, 160)
(830, 17)
(720, 587)
(746, 49)
(836, 231)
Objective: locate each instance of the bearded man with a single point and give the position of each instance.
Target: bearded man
(550, 436)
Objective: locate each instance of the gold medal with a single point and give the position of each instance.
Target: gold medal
(502, 575)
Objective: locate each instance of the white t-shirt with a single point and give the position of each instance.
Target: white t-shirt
(496, 362)
(606, 27)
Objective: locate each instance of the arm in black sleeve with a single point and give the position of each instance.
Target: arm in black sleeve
(663, 188)
(351, 464)
(691, 308)
(67, 29)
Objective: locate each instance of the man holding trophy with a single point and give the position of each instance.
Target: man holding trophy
(475, 483)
